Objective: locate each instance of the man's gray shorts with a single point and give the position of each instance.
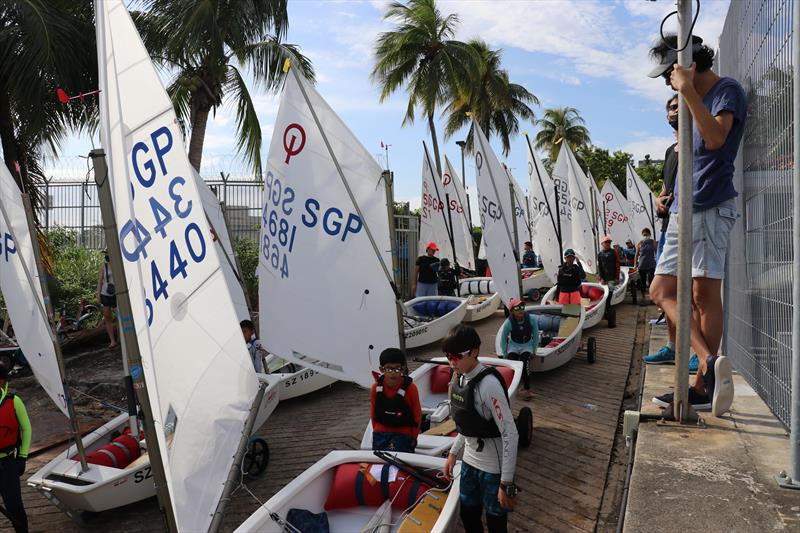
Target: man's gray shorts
(711, 231)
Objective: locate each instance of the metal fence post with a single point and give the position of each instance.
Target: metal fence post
(784, 480)
(46, 204)
(82, 214)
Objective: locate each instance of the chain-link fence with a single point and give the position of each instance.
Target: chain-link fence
(756, 49)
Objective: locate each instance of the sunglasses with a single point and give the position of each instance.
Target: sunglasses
(668, 73)
(673, 107)
(456, 356)
(518, 308)
(392, 370)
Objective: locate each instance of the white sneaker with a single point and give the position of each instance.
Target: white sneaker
(719, 384)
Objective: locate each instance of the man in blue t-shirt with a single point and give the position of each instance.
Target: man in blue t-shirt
(718, 107)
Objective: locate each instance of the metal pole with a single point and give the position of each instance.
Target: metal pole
(605, 220)
(450, 222)
(558, 228)
(236, 467)
(681, 405)
(448, 228)
(47, 204)
(794, 420)
(128, 330)
(388, 179)
(516, 236)
(461, 145)
(47, 314)
(83, 215)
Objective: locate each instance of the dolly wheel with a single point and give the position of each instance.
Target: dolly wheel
(525, 427)
(256, 458)
(591, 350)
(534, 295)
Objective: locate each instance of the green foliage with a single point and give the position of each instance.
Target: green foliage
(75, 270)
(604, 165)
(651, 174)
(559, 124)
(247, 251)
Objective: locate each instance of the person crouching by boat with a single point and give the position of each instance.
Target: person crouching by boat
(608, 267)
(107, 297)
(396, 412)
(529, 256)
(570, 277)
(15, 443)
(519, 339)
(425, 282)
(447, 278)
(487, 435)
(257, 352)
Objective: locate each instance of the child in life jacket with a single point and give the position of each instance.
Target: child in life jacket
(519, 338)
(15, 441)
(396, 411)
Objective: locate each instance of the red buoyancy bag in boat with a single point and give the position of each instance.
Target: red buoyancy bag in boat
(507, 373)
(354, 486)
(118, 453)
(593, 293)
(440, 379)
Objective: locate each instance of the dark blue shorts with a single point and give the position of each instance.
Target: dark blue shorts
(393, 442)
(479, 489)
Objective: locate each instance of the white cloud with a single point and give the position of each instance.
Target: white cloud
(655, 146)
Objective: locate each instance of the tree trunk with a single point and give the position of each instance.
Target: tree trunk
(10, 152)
(198, 137)
(432, 126)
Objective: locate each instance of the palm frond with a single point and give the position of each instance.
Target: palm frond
(248, 140)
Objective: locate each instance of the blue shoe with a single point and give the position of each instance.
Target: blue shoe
(694, 364)
(665, 356)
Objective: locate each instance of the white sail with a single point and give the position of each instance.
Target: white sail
(222, 239)
(200, 380)
(617, 220)
(642, 205)
(598, 205)
(520, 212)
(542, 201)
(325, 297)
(459, 213)
(580, 236)
(30, 326)
(432, 219)
(494, 201)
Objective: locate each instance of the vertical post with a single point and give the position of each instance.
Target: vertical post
(794, 435)
(558, 228)
(605, 220)
(450, 224)
(47, 314)
(681, 405)
(83, 216)
(388, 180)
(128, 330)
(47, 204)
(516, 236)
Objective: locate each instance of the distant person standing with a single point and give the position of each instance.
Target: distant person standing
(529, 259)
(447, 278)
(569, 279)
(608, 268)
(15, 441)
(645, 261)
(425, 280)
(107, 297)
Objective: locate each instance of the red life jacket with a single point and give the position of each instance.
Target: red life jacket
(9, 425)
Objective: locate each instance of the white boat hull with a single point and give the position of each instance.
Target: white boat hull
(296, 382)
(422, 333)
(484, 309)
(534, 279)
(548, 358)
(431, 401)
(310, 490)
(102, 488)
(596, 309)
(618, 296)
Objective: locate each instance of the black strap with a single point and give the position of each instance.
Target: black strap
(412, 496)
(385, 481)
(360, 487)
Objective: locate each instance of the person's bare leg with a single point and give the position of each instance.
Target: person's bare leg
(107, 318)
(707, 299)
(664, 292)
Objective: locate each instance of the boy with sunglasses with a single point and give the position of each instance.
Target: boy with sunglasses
(519, 339)
(396, 411)
(486, 433)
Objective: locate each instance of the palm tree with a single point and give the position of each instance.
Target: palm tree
(422, 54)
(560, 124)
(210, 43)
(44, 44)
(495, 102)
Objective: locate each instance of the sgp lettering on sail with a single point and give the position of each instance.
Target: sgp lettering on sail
(278, 234)
(7, 244)
(164, 231)
(489, 208)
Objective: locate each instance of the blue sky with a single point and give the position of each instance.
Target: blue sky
(587, 54)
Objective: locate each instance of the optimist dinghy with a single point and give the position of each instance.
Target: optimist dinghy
(429, 318)
(433, 381)
(593, 299)
(618, 295)
(533, 281)
(351, 487)
(560, 328)
(295, 380)
(482, 300)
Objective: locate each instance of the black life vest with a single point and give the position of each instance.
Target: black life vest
(9, 425)
(394, 412)
(469, 422)
(521, 332)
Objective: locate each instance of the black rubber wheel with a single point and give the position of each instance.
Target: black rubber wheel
(591, 350)
(612, 317)
(525, 427)
(534, 295)
(505, 311)
(256, 457)
(634, 294)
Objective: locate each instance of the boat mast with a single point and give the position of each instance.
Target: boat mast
(128, 330)
(556, 225)
(47, 312)
(516, 236)
(448, 228)
(388, 179)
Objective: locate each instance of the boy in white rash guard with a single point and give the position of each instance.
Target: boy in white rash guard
(486, 433)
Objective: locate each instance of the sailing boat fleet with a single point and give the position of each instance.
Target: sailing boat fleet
(181, 299)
